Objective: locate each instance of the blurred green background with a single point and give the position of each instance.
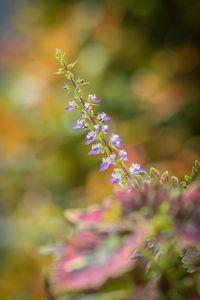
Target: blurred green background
(142, 59)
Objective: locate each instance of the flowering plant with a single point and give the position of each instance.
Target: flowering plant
(141, 244)
(96, 125)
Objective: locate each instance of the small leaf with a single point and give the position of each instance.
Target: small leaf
(70, 66)
(165, 177)
(139, 177)
(58, 54)
(90, 125)
(126, 180)
(60, 71)
(107, 151)
(70, 89)
(174, 181)
(78, 94)
(101, 135)
(80, 82)
(154, 173)
(183, 184)
(197, 166)
(188, 179)
(118, 162)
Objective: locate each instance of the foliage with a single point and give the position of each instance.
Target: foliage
(141, 243)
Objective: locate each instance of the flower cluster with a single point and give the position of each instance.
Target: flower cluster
(98, 131)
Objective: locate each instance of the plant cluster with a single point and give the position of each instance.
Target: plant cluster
(143, 243)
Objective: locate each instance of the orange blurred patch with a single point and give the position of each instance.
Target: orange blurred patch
(13, 133)
(147, 85)
(108, 30)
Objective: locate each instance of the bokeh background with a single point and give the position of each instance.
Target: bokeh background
(142, 59)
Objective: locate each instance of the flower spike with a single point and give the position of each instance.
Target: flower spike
(97, 130)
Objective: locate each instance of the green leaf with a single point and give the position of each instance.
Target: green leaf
(188, 179)
(100, 135)
(70, 66)
(60, 71)
(80, 82)
(90, 125)
(174, 181)
(138, 177)
(107, 151)
(165, 177)
(197, 166)
(118, 162)
(183, 184)
(78, 94)
(58, 54)
(113, 147)
(69, 89)
(154, 173)
(126, 180)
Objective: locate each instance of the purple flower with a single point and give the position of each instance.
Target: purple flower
(112, 158)
(116, 177)
(135, 168)
(94, 99)
(96, 128)
(72, 105)
(105, 129)
(91, 136)
(123, 154)
(103, 117)
(78, 125)
(106, 162)
(95, 149)
(87, 106)
(116, 141)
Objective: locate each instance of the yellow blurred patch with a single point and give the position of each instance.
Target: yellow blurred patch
(114, 214)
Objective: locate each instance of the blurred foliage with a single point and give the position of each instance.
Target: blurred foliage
(150, 250)
(142, 58)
